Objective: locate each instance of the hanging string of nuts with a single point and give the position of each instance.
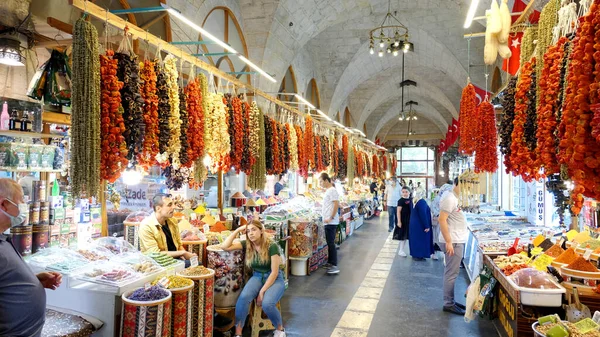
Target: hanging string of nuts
(293, 146)
(85, 113)
(217, 143)
(527, 45)
(174, 146)
(254, 130)
(114, 149)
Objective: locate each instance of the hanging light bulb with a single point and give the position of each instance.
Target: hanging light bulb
(371, 51)
(381, 44)
(389, 50)
(395, 53)
(401, 118)
(406, 46)
(381, 53)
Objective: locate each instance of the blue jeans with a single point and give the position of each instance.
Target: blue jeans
(393, 216)
(269, 305)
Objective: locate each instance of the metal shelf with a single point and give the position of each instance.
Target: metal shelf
(22, 134)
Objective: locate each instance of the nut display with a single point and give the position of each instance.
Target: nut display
(162, 259)
(174, 282)
(196, 271)
(91, 256)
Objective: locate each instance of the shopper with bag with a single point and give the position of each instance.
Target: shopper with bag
(453, 225)
(392, 195)
(266, 285)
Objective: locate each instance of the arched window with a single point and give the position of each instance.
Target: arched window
(288, 85)
(222, 23)
(312, 93)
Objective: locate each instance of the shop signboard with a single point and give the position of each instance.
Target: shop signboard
(507, 314)
(536, 203)
(137, 197)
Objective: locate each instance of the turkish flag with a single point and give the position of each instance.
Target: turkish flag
(511, 65)
(480, 94)
(520, 6)
(442, 146)
(455, 130)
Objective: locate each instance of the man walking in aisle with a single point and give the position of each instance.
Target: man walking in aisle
(393, 193)
(331, 219)
(453, 226)
(23, 304)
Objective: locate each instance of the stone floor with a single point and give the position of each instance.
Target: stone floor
(376, 294)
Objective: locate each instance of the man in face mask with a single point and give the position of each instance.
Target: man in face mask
(22, 294)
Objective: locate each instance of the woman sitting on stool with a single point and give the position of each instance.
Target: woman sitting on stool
(266, 284)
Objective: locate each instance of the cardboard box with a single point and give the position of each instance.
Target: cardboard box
(64, 240)
(57, 216)
(96, 215)
(73, 239)
(56, 201)
(55, 230)
(54, 240)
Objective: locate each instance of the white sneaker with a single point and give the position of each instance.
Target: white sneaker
(434, 256)
(402, 253)
(279, 333)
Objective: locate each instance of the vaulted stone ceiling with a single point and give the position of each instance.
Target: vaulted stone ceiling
(328, 40)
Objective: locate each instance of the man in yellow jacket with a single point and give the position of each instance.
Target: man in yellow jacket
(160, 233)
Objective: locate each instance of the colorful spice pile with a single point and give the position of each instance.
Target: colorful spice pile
(174, 282)
(196, 271)
(568, 256)
(555, 251)
(153, 293)
(511, 269)
(582, 264)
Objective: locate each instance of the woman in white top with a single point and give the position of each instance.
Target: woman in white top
(392, 195)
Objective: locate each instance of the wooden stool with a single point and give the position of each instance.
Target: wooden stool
(259, 320)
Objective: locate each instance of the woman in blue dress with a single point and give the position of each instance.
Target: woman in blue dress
(421, 237)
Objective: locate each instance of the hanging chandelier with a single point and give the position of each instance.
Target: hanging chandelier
(409, 115)
(391, 36)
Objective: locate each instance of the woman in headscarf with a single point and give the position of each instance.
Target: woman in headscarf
(435, 210)
(420, 237)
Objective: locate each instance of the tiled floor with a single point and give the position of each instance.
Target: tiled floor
(376, 294)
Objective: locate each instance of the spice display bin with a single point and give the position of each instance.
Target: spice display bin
(301, 243)
(203, 304)
(151, 318)
(196, 247)
(540, 297)
(229, 275)
(181, 311)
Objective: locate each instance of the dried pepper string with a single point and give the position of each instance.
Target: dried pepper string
(195, 131)
(308, 143)
(302, 162)
(468, 120)
(486, 154)
(114, 149)
(506, 125)
(200, 170)
(150, 148)
(85, 102)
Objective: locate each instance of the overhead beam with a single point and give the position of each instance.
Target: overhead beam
(138, 10)
(150, 23)
(426, 136)
(60, 25)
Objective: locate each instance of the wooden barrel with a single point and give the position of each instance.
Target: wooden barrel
(148, 318)
(181, 311)
(203, 304)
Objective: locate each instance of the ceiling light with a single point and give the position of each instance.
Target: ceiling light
(381, 44)
(10, 52)
(371, 51)
(471, 13)
(395, 53)
(401, 118)
(390, 32)
(131, 176)
(381, 53)
(225, 46)
(389, 50)
(303, 100)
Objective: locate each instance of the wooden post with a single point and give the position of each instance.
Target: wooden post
(103, 212)
(220, 191)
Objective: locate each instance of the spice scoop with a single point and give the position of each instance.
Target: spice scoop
(577, 311)
(513, 250)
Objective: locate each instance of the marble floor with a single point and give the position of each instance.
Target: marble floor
(376, 294)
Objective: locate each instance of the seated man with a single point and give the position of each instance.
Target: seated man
(159, 232)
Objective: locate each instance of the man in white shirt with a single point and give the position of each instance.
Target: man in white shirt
(331, 219)
(453, 226)
(392, 195)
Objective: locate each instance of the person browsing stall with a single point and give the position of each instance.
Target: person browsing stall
(453, 226)
(22, 294)
(160, 233)
(266, 285)
(331, 220)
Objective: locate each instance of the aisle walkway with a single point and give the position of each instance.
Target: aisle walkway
(376, 294)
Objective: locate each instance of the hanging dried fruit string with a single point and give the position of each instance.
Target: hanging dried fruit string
(293, 146)
(164, 113)
(200, 171)
(174, 146)
(546, 23)
(345, 147)
(301, 152)
(269, 152)
(309, 143)
(375, 165)
(254, 133)
(275, 141)
(506, 125)
(335, 162)
(258, 177)
(247, 161)
(319, 154)
(114, 149)
(486, 153)
(183, 137)
(522, 148)
(147, 156)
(325, 152)
(195, 130)
(549, 105)
(285, 150)
(85, 102)
(132, 102)
(351, 166)
(343, 164)
(579, 151)
(236, 131)
(384, 160)
(468, 120)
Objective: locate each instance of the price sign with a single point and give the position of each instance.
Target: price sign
(587, 254)
(164, 282)
(147, 285)
(194, 261)
(542, 262)
(206, 228)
